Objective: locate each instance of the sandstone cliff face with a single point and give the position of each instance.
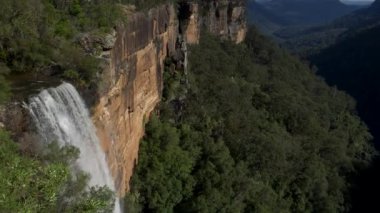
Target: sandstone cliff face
(133, 80)
(223, 18)
(131, 83)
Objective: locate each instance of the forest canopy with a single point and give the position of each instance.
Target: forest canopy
(38, 36)
(248, 128)
(254, 130)
(45, 182)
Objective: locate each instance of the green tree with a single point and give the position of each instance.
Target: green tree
(27, 185)
(44, 183)
(263, 132)
(162, 155)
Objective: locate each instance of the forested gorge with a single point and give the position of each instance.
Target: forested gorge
(254, 130)
(352, 64)
(246, 128)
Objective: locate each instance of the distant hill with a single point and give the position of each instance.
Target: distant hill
(352, 64)
(352, 61)
(360, 18)
(264, 19)
(308, 41)
(357, 2)
(298, 12)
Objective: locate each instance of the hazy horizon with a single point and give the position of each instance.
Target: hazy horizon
(357, 1)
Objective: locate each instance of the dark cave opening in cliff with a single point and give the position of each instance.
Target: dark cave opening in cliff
(184, 13)
(229, 12)
(217, 13)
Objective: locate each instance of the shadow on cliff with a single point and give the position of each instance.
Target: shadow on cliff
(184, 13)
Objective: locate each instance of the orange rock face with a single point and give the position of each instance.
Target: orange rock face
(132, 82)
(134, 76)
(224, 18)
(192, 32)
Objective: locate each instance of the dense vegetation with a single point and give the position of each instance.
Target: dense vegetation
(38, 36)
(352, 64)
(41, 37)
(43, 182)
(306, 41)
(254, 130)
(248, 129)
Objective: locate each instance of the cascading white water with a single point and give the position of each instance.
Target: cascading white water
(61, 115)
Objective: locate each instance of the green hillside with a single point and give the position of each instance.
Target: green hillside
(255, 131)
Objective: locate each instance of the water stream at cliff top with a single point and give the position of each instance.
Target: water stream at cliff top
(61, 115)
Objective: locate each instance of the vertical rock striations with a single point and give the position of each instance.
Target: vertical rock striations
(224, 18)
(132, 83)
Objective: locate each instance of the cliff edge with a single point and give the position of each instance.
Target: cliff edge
(132, 80)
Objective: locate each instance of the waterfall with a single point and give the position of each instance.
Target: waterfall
(61, 115)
